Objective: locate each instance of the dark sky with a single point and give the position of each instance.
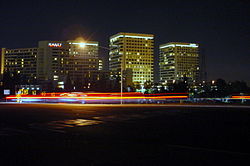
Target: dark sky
(222, 27)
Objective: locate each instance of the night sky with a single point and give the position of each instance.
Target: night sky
(222, 28)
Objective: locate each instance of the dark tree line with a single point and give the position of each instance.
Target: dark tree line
(104, 84)
(218, 88)
(12, 80)
(221, 88)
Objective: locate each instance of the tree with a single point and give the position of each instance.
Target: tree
(238, 87)
(68, 86)
(222, 88)
(115, 84)
(148, 86)
(8, 81)
(180, 86)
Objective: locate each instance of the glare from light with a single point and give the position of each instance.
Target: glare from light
(82, 45)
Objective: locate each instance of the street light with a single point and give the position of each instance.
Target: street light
(122, 61)
(82, 45)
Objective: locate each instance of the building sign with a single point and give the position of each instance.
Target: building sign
(55, 44)
(6, 91)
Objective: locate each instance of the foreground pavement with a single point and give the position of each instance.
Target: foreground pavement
(68, 134)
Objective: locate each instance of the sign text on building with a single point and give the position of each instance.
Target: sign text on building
(55, 44)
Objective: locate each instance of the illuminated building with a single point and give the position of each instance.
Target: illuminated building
(2, 51)
(133, 54)
(100, 64)
(62, 61)
(22, 62)
(179, 61)
(56, 63)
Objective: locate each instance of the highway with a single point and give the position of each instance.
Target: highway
(134, 134)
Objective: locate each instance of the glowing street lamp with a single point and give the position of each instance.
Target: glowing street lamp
(82, 45)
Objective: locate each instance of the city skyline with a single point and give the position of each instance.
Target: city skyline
(52, 60)
(125, 82)
(221, 28)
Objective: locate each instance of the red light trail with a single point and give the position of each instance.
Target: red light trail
(101, 96)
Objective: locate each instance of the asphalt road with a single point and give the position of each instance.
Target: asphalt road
(73, 134)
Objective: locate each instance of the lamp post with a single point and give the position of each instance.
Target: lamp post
(122, 61)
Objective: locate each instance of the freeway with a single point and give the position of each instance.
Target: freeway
(134, 134)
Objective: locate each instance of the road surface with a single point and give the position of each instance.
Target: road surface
(70, 134)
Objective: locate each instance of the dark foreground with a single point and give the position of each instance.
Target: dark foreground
(52, 134)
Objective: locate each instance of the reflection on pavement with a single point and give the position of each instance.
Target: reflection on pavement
(59, 126)
(73, 123)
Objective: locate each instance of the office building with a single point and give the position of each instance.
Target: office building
(62, 61)
(22, 62)
(2, 51)
(134, 54)
(179, 61)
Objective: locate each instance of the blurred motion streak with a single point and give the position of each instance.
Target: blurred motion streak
(240, 97)
(80, 96)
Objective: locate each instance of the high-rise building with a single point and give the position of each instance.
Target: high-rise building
(23, 62)
(133, 53)
(179, 61)
(59, 61)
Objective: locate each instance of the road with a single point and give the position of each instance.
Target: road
(70, 134)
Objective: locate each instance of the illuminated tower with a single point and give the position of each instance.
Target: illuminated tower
(22, 61)
(179, 61)
(74, 61)
(2, 52)
(133, 54)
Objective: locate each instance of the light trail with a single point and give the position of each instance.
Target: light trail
(100, 97)
(240, 97)
(80, 96)
(95, 98)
